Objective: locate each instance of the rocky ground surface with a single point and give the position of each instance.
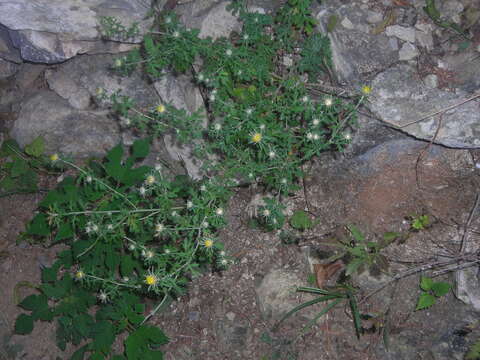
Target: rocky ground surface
(413, 152)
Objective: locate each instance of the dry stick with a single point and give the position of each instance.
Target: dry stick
(467, 225)
(426, 148)
(440, 111)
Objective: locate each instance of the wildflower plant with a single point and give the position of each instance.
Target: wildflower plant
(134, 233)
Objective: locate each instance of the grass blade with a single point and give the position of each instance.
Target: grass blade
(321, 313)
(355, 314)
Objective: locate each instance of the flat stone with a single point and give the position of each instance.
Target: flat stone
(408, 52)
(431, 81)
(51, 31)
(374, 17)
(65, 130)
(401, 32)
(78, 79)
(399, 98)
(424, 39)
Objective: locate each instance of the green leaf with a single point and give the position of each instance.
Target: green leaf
(34, 302)
(300, 220)
(103, 335)
(24, 324)
(389, 237)
(115, 154)
(49, 274)
(356, 233)
(440, 288)
(137, 344)
(80, 353)
(355, 313)
(353, 266)
(38, 226)
(425, 301)
(36, 148)
(19, 167)
(64, 232)
(127, 265)
(9, 147)
(141, 148)
(474, 352)
(426, 283)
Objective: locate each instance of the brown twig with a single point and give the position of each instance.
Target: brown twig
(467, 225)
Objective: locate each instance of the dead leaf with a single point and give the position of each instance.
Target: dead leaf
(323, 272)
(401, 3)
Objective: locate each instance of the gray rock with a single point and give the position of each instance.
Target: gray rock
(374, 17)
(352, 50)
(408, 52)
(7, 50)
(77, 81)
(431, 81)
(399, 98)
(401, 32)
(424, 39)
(232, 335)
(65, 130)
(209, 16)
(53, 31)
(7, 68)
(181, 93)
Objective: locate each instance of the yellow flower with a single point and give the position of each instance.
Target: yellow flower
(151, 280)
(366, 89)
(150, 180)
(79, 275)
(160, 108)
(208, 243)
(54, 157)
(256, 138)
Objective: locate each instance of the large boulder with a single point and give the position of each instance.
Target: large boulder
(66, 130)
(52, 31)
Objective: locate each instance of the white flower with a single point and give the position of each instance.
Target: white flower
(284, 181)
(328, 101)
(159, 227)
(249, 111)
(131, 247)
(315, 122)
(168, 20)
(223, 262)
(266, 212)
(142, 191)
(214, 91)
(212, 97)
(102, 296)
(256, 19)
(174, 213)
(189, 204)
(125, 279)
(176, 34)
(305, 99)
(239, 72)
(149, 255)
(245, 37)
(262, 127)
(271, 154)
(200, 77)
(88, 179)
(109, 227)
(203, 188)
(158, 167)
(205, 224)
(167, 251)
(309, 136)
(347, 136)
(250, 175)
(229, 52)
(219, 211)
(217, 127)
(316, 137)
(222, 253)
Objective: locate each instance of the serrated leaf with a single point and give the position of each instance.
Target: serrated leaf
(36, 148)
(9, 147)
(80, 353)
(38, 226)
(141, 148)
(24, 324)
(425, 301)
(65, 231)
(103, 335)
(440, 288)
(49, 274)
(474, 352)
(353, 266)
(34, 302)
(127, 265)
(19, 167)
(426, 283)
(356, 233)
(115, 154)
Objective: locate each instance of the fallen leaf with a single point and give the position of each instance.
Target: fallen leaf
(323, 272)
(401, 3)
